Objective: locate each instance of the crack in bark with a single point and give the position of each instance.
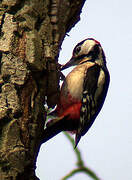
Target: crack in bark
(1, 24)
(13, 9)
(38, 23)
(0, 65)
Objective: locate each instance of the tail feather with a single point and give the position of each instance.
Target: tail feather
(51, 131)
(77, 139)
(57, 126)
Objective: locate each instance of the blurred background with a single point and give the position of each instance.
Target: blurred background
(107, 147)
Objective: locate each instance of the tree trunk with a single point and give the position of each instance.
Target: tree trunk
(31, 34)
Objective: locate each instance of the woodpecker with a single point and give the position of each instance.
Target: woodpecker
(83, 91)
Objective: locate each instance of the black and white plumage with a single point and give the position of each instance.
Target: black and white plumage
(84, 89)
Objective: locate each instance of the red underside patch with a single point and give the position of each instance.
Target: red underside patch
(73, 112)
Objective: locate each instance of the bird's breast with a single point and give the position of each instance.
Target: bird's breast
(73, 84)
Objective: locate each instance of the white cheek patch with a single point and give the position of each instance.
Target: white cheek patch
(87, 46)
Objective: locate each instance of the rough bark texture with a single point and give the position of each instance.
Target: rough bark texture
(31, 33)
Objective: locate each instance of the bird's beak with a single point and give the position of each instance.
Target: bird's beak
(70, 63)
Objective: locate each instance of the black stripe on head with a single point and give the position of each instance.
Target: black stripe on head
(75, 50)
(97, 42)
(94, 53)
(80, 43)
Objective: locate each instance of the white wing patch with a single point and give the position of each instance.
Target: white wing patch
(101, 81)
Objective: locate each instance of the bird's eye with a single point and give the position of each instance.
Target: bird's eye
(78, 49)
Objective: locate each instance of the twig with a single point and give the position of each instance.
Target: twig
(80, 163)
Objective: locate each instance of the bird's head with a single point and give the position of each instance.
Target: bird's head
(87, 50)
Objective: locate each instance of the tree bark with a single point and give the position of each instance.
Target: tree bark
(31, 34)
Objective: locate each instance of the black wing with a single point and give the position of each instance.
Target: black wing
(93, 97)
